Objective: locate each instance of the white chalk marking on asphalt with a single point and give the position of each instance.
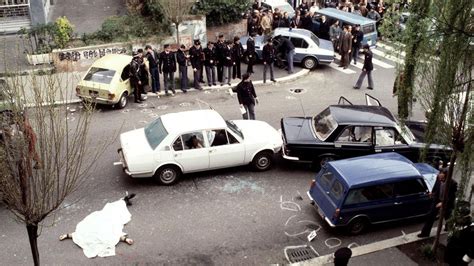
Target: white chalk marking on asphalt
(291, 217)
(117, 163)
(353, 245)
(333, 239)
(340, 69)
(297, 209)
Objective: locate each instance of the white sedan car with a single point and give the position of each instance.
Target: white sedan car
(193, 141)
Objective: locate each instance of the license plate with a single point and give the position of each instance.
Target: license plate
(320, 212)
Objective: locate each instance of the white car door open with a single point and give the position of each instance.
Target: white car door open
(225, 150)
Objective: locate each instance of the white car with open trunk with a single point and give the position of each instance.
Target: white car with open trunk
(193, 141)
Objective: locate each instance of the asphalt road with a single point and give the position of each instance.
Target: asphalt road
(231, 216)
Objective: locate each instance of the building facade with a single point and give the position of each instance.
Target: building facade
(17, 14)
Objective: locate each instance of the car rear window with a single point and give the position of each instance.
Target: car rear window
(100, 75)
(155, 132)
(324, 124)
(369, 28)
(326, 179)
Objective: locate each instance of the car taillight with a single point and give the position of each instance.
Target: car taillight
(336, 214)
(313, 183)
(111, 96)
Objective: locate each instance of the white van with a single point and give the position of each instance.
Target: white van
(282, 5)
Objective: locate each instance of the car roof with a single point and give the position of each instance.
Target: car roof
(113, 61)
(291, 31)
(374, 169)
(196, 120)
(362, 114)
(345, 16)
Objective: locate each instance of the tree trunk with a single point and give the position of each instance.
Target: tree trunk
(177, 33)
(33, 237)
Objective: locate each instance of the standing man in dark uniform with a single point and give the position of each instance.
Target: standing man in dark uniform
(196, 56)
(210, 63)
(366, 69)
(153, 62)
(135, 76)
(220, 46)
(182, 59)
(269, 55)
(143, 73)
(357, 37)
(168, 67)
(247, 96)
(228, 63)
(237, 53)
(251, 53)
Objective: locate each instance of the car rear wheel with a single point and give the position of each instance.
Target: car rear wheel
(310, 63)
(263, 161)
(168, 175)
(357, 226)
(123, 101)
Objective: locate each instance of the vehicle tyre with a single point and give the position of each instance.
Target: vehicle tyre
(310, 63)
(262, 161)
(324, 160)
(357, 226)
(123, 101)
(168, 175)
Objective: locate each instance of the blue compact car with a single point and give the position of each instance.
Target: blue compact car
(354, 193)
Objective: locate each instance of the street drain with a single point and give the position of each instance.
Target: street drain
(300, 253)
(297, 91)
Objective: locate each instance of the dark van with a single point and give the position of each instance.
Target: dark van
(367, 26)
(356, 192)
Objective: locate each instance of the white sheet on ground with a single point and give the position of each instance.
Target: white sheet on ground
(101, 230)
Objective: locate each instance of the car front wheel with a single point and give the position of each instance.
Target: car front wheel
(263, 161)
(168, 175)
(123, 101)
(310, 63)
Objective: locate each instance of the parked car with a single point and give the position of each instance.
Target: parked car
(356, 192)
(282, 5)
(345, 130)
(367, 26)
(192, 141)
(107, 81)
(310, 51)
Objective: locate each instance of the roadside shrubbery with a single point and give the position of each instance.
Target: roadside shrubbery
(220, 12)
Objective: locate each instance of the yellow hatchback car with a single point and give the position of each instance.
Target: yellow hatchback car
(107, 81)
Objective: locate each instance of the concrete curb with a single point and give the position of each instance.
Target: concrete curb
(285, 79)
(370, 248)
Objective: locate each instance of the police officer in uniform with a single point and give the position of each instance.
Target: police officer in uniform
(135, 76)
(197, 56)
(237, 53)
(210, 63)
(168, 67)
(251, 53)
(220, 47)
(182, 59)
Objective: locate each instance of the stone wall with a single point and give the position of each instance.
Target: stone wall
(229, 31)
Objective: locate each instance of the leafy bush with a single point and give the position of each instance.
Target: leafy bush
(220, 12)
(63, 30)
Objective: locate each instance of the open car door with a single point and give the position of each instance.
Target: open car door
(371, 100)
(343, 101)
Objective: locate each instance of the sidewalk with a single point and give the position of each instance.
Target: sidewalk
(378, 253)
(64, 84)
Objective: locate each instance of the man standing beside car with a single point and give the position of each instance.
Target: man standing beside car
(250, 53)
(289, 49)
(153, 61)
(438, 194)
(210, 63)
(168, 67)
(135, 76)
(345, 46)
(357, 37)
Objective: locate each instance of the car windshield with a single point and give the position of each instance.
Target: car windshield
(406, 134)
(324, 124)
(233, 127)
(100, 75)
(155, 132)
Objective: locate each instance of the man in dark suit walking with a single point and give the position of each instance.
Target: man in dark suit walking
(366, 69)
(247, 97)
